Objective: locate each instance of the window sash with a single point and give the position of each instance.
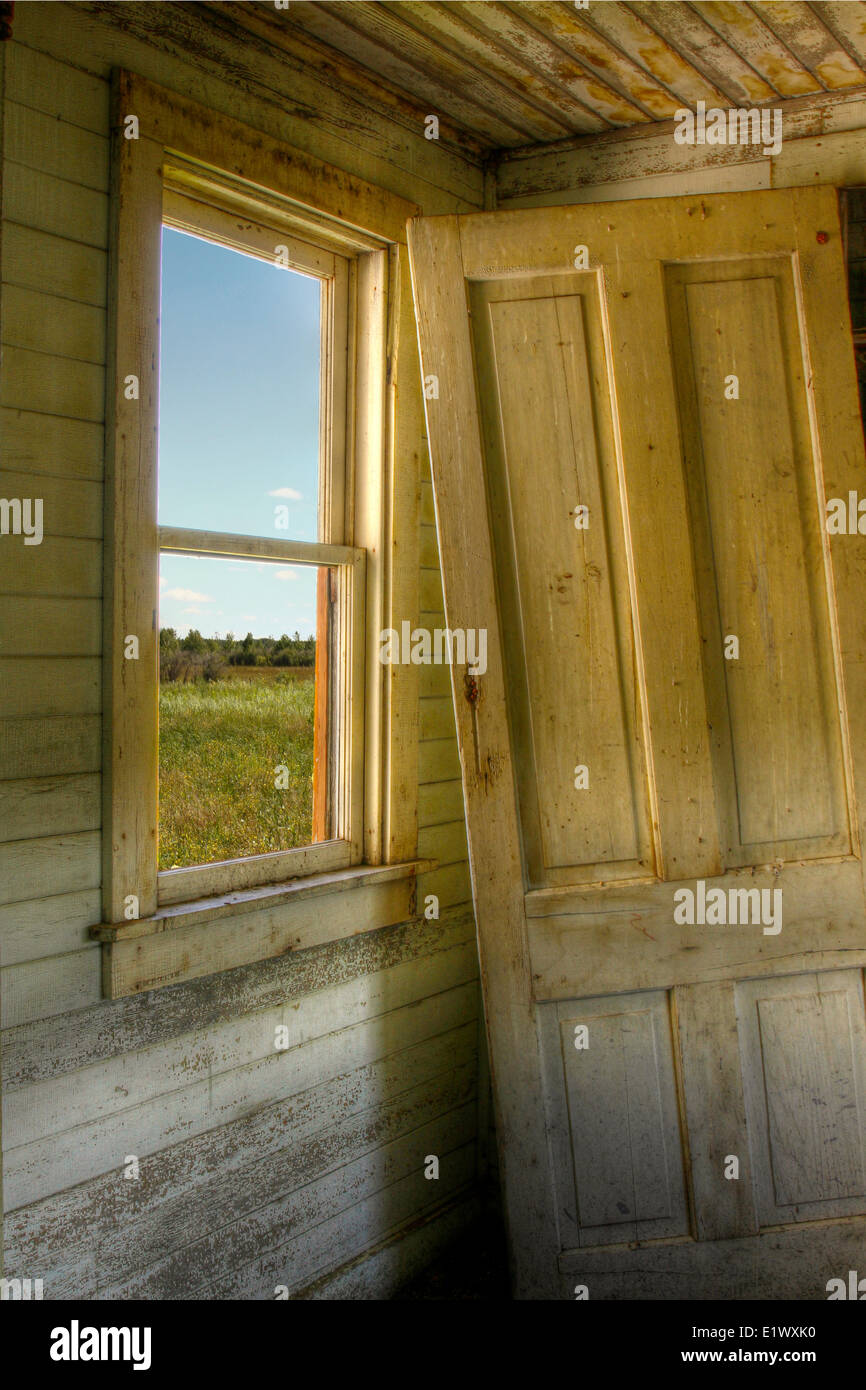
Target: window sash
(350, 562)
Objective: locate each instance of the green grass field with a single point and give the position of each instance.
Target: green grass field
(219, 746)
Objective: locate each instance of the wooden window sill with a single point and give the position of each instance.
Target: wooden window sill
(187, 940)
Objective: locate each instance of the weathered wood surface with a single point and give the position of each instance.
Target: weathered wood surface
(249, 1075)
(50, 926)
(125, 1025)
(192, 950)
(706, 1020)
(773, 1265)
(51, 986)
(50, 747)
(68, 862)
(613, 939)
(380, 1206)
(494, 833)
(577, 172)
(44, 686)
(417, 1027)
(803, 1044)
(317, 103)
(382, 1272)
(207, 1203)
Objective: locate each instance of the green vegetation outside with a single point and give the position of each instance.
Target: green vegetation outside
(221, 739)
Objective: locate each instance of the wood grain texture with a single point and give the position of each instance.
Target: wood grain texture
(563, 590)
(52, 1164)
(788, 1264)
(187, 952)
(44, 806)
(49, 324)
(38, 260)
(55, 206)
(379, 1206)
(803, 1040)
(40, 686)
(40, 444)
(51, 926)
(142, 1020)
(635, 160)
(171, 1207)
(382, 1272)
(760, 563)
(297, 90)
(48, 988)
(706, 1023)
(49, 747)
(69, 862)
(490, 807)
(130, 697)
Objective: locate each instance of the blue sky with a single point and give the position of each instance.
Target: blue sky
(238, 433)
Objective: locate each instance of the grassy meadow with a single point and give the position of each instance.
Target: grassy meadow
(220, 742)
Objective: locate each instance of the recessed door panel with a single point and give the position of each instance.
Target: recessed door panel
(764, 601)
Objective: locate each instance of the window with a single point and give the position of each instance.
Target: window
(213, 527)
(252, 449)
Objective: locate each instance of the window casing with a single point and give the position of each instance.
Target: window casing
(338, 811)
(181, 171)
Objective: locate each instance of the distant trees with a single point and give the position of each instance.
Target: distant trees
(194, 657)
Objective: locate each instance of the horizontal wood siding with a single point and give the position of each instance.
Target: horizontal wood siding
(257, 1166)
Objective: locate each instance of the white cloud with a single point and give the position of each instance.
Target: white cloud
(285, 574)
(187, 596)
(192, 610)
(288, 492)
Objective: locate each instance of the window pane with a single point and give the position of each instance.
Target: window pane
(243, 708)
(238, 394)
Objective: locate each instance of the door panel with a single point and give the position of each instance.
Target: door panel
(803, 1044)
(618, 1153)
(563, 588)
(730, 778)
(756, 519)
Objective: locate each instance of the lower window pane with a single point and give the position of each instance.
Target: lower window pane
(244, 698)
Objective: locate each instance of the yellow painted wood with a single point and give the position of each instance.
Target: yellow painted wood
(544, 396)
(49, 324)
(454, 432)
(130, 698)
(760, 562)
(44, 203)
(713, 276)
(54, 265)
(42, 444)
(715, 1112)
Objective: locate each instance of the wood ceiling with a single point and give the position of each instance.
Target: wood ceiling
(505, 75)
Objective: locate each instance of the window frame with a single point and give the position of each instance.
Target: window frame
(212, 222)
(186, 160)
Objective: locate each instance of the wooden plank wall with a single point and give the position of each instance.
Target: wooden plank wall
(822, 142)
(257, 1168)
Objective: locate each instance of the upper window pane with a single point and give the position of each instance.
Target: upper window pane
(238, 394)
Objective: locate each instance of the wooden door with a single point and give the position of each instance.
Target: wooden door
(638, 413)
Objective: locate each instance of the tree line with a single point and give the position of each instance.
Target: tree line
(196, 657)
